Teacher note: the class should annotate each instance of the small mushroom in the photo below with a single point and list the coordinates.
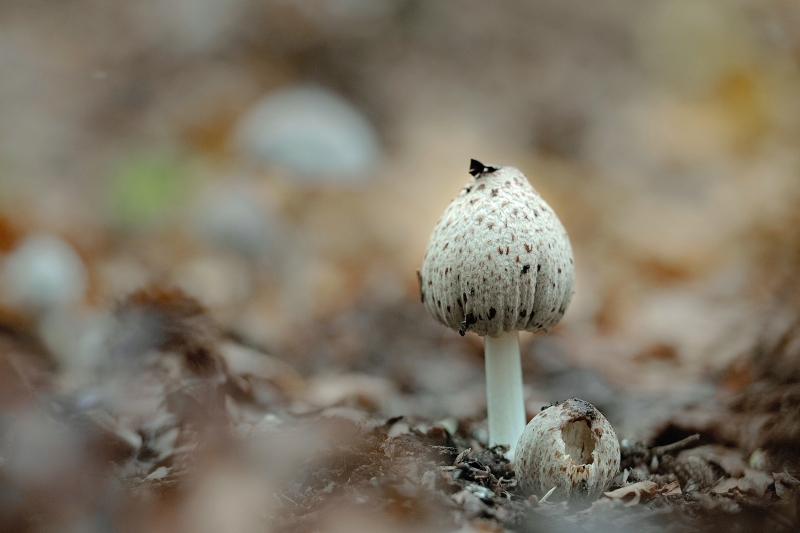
(498, 262)
(44, 272)
(313, 132)
(569, 447)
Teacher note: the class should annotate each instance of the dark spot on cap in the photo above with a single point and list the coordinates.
(523, 313)
(492, 312)
(528, 248)
(525, 269)
(494, 192)
(469, 319)
(538, 268)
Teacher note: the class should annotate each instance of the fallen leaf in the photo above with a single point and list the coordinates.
(634, 493)
(753, 482)
(731, 461)
(786, 486)
(671, 489)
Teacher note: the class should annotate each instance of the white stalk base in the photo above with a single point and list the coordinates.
(504, 398)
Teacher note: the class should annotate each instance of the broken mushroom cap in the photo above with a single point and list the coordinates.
(499, 259)
(570, 447)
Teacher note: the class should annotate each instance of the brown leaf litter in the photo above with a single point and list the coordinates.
(181, 406)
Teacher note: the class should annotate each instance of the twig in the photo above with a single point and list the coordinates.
(675, 446)
(549, 492)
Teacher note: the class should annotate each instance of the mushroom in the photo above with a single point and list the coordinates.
(498, 262)
(569, 449)
(45, 272)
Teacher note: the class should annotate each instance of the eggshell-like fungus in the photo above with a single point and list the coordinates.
(570, 446)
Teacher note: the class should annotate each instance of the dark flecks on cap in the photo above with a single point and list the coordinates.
(469, 319)
(525, 269)
(492, 312)
(476, 168)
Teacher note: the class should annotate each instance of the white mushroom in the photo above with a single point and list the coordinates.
(498, 261)
(569, 447)
(45, 272)
(313, 132)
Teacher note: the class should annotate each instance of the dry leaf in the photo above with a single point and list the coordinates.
(753, 482)
(731, 461)
(634, 493)
(785, 485)
(671, 489)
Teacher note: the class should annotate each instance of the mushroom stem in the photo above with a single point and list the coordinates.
(505, 402)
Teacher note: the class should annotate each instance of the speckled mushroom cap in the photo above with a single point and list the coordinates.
(498, 259)
(570, 446)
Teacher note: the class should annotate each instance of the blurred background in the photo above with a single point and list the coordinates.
(284, 161)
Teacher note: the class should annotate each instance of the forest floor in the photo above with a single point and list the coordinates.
(194, 429)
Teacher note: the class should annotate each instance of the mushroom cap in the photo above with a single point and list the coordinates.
(570, 446)
(45, 272)
(498, 259)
